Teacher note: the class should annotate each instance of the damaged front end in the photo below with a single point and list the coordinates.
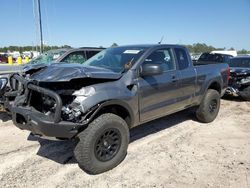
(54, 109)
(15, 86)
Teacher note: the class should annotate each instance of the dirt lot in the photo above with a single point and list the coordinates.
(175, 151)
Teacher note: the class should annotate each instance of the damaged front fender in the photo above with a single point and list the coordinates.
(94, 111)
(98, 96)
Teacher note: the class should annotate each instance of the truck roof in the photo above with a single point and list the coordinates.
(152, 45)
(91, 48)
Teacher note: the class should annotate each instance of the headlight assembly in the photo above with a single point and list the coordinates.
(82, 95)
(86, 92)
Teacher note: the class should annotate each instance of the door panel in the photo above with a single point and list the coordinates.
(158, 95)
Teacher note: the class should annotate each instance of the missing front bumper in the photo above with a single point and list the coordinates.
(29, 119)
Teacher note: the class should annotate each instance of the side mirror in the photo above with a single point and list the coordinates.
(149, 69)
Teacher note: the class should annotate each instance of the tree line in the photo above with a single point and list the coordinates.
(30, 48)
(194, 48)
(202, 47)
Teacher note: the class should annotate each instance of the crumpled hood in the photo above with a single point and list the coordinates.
(62, 72)
(37, 66)
(7, 69)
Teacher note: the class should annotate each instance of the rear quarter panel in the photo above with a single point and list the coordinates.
(207, 75)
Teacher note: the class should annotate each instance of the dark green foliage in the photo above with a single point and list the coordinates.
(195, 48)
(243, 51)
(30, 48)
(202, 47)
(114, 45)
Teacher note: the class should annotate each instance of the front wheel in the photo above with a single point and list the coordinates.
(103, 145)
(209, 107)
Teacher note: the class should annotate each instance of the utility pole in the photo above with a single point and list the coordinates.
(40, 26)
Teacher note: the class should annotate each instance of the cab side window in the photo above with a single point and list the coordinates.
(75, 57)
(182, 58)
(163, 57)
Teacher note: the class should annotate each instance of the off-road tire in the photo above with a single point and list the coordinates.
(85, 150)
(209, 107)
(245, 93)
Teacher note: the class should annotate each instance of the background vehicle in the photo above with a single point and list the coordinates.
(225, 52)
(212, 58)
(239, 83)
(75, 55)
(78, 55)
(97, 102)
(3, 58)
(195, 56)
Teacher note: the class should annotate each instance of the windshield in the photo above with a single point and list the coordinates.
(240, 62)
(47, 57)
(119, 59)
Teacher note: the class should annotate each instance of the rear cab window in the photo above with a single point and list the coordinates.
(182, 58)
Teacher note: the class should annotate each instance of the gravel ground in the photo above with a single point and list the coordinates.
(175, 151)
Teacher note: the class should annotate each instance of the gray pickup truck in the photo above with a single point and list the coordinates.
(97, 103)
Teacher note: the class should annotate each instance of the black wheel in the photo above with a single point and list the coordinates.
(103, 145)
(209, 107)
(245, 93)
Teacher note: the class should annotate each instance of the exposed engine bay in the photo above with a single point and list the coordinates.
(72, 109)
(239, 83)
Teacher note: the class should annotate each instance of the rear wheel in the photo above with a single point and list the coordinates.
(103, 145)
(209, 107)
